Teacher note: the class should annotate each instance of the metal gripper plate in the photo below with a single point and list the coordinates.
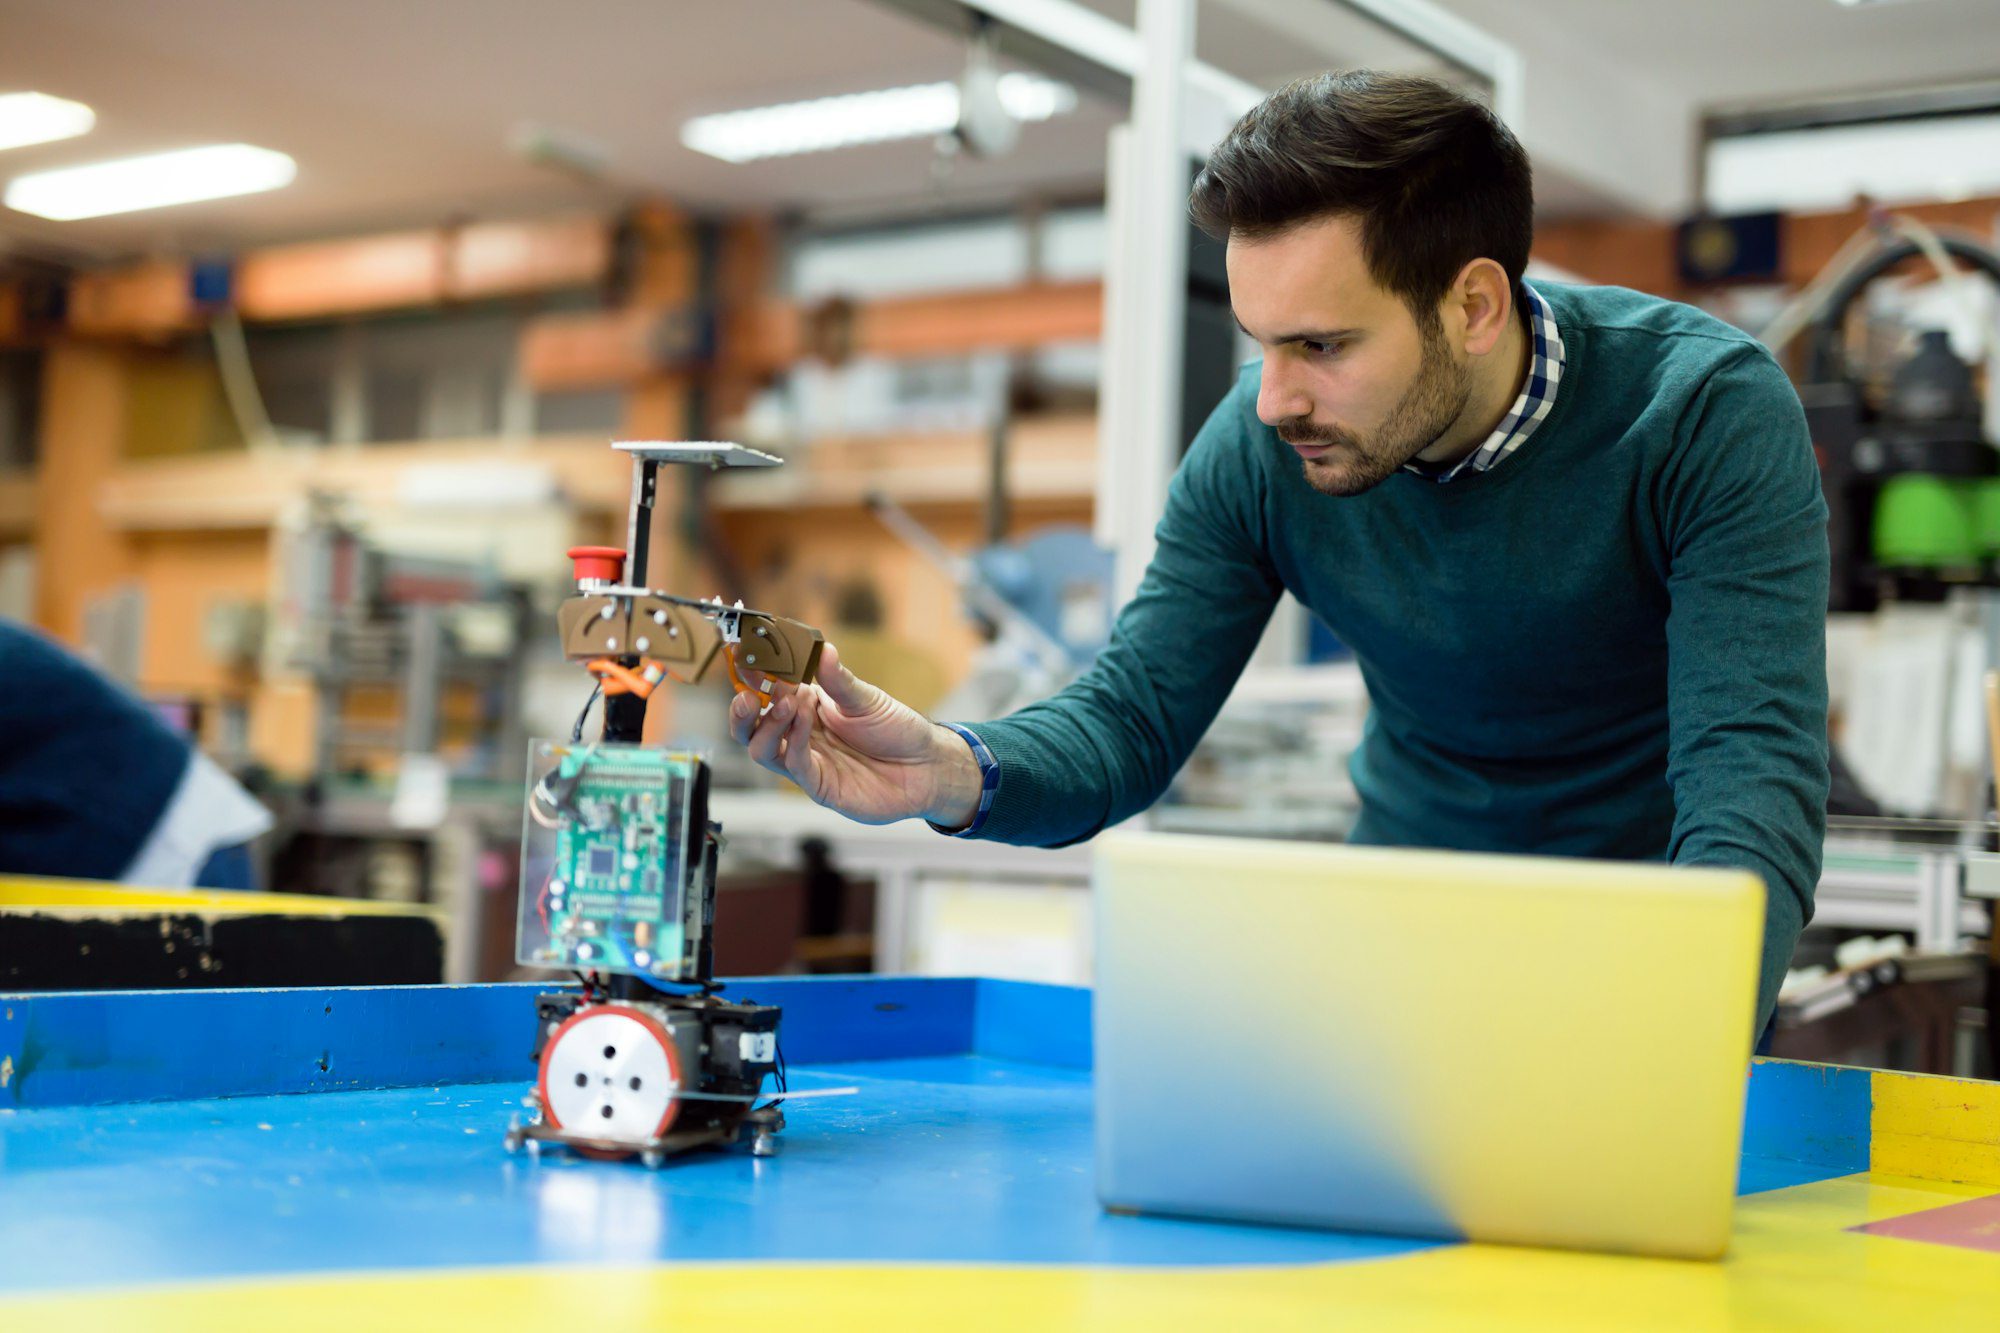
(610, 1074)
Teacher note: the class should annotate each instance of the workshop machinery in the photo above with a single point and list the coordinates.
(358, 619)
(1911, 479)
(1043, 602)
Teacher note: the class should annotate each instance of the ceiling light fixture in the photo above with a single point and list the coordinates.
(27, 118)
(157, 180)
(851, 119)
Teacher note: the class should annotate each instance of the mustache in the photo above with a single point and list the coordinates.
(1305, 432)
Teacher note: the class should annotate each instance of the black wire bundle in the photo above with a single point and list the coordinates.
(576, 733)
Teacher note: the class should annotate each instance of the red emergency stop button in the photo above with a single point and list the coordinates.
(598, 564)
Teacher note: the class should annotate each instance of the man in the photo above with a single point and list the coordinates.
(1573, 535)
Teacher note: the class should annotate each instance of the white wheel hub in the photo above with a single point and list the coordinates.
(611, 1073)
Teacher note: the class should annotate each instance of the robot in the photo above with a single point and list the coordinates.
(645, 1058)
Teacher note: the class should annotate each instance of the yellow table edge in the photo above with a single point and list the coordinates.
(75, 897)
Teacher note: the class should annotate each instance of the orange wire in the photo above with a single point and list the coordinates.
(618, 679)
(729, 659)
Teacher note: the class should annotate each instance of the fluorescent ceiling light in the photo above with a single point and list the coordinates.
(861, 118)
(27, 118)
(157, 180)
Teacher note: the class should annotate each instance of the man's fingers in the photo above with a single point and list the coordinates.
(798, 737)
(742, 717)
(770, 730)
(761, 729)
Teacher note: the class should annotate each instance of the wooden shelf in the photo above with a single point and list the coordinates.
(936, 323)
(1049, 458)
(252, 489)
(351, 275)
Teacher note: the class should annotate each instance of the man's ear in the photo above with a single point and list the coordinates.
(1483, 300)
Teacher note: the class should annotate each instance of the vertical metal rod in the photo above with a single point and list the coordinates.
(423, 677)
(1145, 296)
(639, 534)
(625, 714)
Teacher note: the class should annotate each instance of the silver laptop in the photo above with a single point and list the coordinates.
(1538, 1051)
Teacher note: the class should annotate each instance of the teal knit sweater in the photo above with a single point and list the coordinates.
(1610, 644)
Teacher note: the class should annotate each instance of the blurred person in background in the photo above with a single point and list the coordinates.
(94, 785)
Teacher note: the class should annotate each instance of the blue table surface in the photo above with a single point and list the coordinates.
(954, 1158)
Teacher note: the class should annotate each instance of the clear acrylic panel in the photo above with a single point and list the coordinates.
(606, 864)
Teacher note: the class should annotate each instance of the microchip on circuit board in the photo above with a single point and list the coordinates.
(613, 841)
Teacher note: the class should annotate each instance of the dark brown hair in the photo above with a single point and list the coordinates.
(1434, 178)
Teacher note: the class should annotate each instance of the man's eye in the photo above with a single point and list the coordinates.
(1319, 348)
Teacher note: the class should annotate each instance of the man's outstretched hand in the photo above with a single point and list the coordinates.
(854, 749)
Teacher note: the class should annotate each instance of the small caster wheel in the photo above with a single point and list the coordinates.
(535, 1148)
(764, 1144)
(652, 1159)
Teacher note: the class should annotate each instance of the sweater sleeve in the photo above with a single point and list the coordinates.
(1105, 747)
(1744, 527)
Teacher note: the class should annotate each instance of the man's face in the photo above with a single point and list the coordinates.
(1349, 379)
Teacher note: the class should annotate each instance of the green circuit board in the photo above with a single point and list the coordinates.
(613, 896)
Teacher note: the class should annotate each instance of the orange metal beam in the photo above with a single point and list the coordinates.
(148, 300)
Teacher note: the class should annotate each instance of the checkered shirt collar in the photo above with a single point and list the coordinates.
(1538, 394)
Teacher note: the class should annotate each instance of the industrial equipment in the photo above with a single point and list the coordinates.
(646, 1058)
(1912, 483)
(358, 619)
(1045, 601)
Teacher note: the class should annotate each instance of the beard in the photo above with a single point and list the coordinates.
(1355, 463)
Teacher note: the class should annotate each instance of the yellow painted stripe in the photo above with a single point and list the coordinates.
(76, 897)
(1935, 1128)
(1794, 1263)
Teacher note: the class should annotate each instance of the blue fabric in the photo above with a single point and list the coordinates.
(228, 868)
(86, 769)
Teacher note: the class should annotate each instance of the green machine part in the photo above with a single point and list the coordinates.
(1925, 522)
(1986, 516)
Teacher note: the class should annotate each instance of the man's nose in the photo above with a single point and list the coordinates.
(1279, 400)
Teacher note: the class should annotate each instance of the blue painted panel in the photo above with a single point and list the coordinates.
(830, 1020)
(97, 1047)
(962, 1159)
(1808, 1113)
(1021, 1020)
(94, 1047)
